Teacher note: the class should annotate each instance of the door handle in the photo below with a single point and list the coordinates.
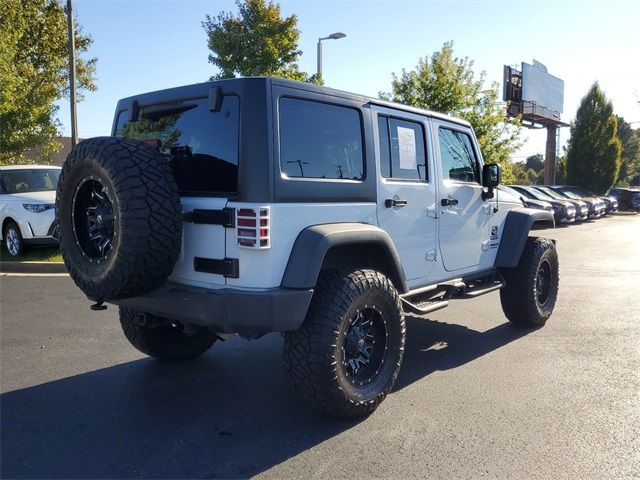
(394, 202)
(448, 202)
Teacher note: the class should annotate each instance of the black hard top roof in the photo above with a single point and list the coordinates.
(199, 90)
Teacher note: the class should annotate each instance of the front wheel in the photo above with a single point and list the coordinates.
(531, 289)
(346, 357)
(13, 240)
(165, 339)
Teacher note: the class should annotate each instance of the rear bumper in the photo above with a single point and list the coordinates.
(226, 310)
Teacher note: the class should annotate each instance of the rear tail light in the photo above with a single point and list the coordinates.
(253, 227)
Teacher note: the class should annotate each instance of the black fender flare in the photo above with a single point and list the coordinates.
(313, 243)
(517, 225)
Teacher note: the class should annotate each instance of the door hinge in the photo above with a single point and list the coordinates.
(432, 211)
(432, 255)
(224, 217)
(227, 267)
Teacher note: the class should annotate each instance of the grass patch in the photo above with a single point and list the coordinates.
(40, 254)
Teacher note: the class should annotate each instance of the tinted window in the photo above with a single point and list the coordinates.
(457, 156)
(405, 157)
(30, 180)
(202, 145)
(318, 140)
(122, 119)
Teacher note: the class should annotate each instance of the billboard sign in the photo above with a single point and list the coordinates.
(541, 88)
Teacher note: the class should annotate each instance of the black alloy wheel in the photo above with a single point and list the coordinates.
(93, 219)
(543, 283)
(365, 346)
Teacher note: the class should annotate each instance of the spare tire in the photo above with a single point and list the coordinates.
(119, 212)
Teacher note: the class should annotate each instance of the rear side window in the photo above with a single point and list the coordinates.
(402, 149)
(319, 140)
(457, 156)
(202, 145)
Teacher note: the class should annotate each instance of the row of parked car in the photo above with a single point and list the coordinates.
(27, 204)
(570, 203)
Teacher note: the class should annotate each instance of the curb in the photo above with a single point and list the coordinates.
(32, 267)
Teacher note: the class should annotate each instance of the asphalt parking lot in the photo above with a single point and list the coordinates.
(475, 398)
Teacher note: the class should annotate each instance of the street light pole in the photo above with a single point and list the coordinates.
(72, 74)
(333, 36)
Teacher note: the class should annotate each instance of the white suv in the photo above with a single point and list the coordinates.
(262, 205)
(27, 206)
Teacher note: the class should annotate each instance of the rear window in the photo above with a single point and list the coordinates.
(320, 140)
(202, 146)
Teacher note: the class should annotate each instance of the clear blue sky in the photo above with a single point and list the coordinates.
(145, 45)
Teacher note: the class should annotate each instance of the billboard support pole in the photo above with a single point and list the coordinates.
(550, 156)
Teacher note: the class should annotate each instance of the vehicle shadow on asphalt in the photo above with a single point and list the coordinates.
(228, 414)
(432, 346)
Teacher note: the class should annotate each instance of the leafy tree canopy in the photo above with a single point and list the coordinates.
(256, 42)
(34, 74)
(448, 84)
(630, 156)
(535, 162)
(594, 148)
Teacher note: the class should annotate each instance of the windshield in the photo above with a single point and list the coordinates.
(571, 195)
(531, 193)
(510, 190)
(552, 194)
(30, 180)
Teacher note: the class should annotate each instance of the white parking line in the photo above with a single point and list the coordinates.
(3, 274)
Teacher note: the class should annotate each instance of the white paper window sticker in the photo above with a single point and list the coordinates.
(407, 148)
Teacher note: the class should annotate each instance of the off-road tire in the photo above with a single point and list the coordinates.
(163, 339)
(519, 297)
(22, 247)
(147, 221)
(313, 354)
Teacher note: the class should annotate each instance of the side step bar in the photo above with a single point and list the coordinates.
(436, 297)
(481, 289)
(422, 308)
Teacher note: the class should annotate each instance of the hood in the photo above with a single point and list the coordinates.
(543, 204)
(47, 196)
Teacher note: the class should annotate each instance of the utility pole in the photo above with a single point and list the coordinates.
(72, 74)
(550, 156)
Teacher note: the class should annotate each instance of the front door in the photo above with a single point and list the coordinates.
(406, 193)
(464, 215)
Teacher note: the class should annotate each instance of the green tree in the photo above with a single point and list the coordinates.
(535, 162)
(561, 170)
(521, 175)
(257, 42)
(448, 84)
(630, 156)
(594, 148)
(34, 74)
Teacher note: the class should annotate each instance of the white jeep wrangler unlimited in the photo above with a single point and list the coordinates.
(261, 205)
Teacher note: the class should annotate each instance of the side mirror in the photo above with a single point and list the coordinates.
(491, 176)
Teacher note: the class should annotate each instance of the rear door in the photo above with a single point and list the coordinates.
(406, 193)
(202, 148)
(464, 217)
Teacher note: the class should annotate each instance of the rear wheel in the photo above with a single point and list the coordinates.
(346, 357)
(13, 240)
(531, 289)
(165, 339)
